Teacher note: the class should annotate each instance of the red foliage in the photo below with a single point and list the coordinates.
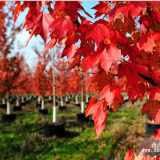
(125, 50)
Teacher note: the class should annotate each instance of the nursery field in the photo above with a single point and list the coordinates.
(24, 139)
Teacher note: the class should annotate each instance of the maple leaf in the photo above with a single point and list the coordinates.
(41, 24)
(97, 32)
(155, 93)
(71, 39)
(157, 117)
(131, 51)
(134, 8)
(121, 83)
(101, 8)
(109, 92)
(155, 15)
(146, 20)
(147, 41)
(92, 102)
(115, 103)
(153, 59)
(102, 79)
(155, 26)
(69, 51)
(113, 14)
(143, 59)
(50, 44)
(104, 55)
(82, 51)
(61, 26)
(135, 93)
(116, 37)
(131, 71)
(152, 108)
(67, 5)
(118, 24)
(155, 75)
(135, 37)
(128, 26)
(99, 114)
(76, 62)
(129, 155)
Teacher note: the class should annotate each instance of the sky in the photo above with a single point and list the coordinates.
(30, 56)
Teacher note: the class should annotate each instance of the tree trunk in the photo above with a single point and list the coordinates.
(61, 101)
(8, 105)
(82, 101)
(54, 89)
(39, 100)
(76, 97)
(86, 88)
(42, 105)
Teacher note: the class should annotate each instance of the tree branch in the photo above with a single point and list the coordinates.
(148, 79)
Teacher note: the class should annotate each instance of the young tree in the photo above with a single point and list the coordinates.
(128, 33)
(10, 68)
(40, 75)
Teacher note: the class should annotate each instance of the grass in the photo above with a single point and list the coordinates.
(24, 139)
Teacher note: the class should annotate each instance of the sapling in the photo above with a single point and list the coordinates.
(61, 101)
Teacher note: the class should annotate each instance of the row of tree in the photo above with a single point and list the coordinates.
(18, 79)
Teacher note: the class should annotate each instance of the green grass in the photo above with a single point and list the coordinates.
(25, 139)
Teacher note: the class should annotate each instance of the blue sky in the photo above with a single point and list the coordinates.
(23, 37)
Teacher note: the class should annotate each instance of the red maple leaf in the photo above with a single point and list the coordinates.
(155, 15)
(99, 115)
(134, 8)
(102, 8)
(109, 92)
(102, 79)
(69, 51)
(104, 55)
(97, 32)
(130, 155)
(61, 26)
(50, 44)
(157, 117)
(146, 20)
(152, 108)
(41, 24)
(67, 6)
(115, 103)
(117, 37)
(155, 93)
(147, 41)
(155, 75)
(131, 71)
(92, 101)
